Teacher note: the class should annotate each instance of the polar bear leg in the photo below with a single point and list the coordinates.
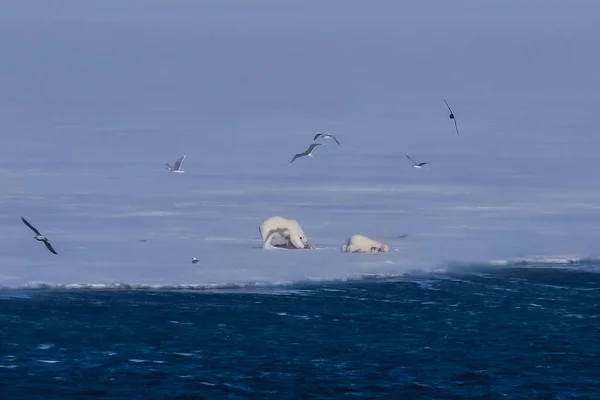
(267, 240)
(269, 230)
(267, 235)
(272, 234)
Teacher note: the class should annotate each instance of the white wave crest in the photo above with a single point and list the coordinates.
(283, 286)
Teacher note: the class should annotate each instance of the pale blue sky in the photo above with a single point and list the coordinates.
(291, 56)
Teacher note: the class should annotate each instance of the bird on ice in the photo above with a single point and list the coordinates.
(415, 164)
(38, 236)
(177, 166)
(451, 116)
(306, 153)
(326, 136)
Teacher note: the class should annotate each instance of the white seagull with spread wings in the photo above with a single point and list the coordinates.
(451, 116)
(38, 236)
(415, 164)
(177, 166)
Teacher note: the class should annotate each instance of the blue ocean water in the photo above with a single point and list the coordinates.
(472, 332)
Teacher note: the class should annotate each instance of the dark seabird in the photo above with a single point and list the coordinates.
(415, 164)
(177, 166)
(306, 153)
(38, 236)
(326, 136)
(451, 116)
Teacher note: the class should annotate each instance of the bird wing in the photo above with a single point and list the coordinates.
(30, 226)
(334, 138)
(448, 106)
(49, 246)
(304, 153)
(177, 165)
(413, 161)
(423, 163)
(317, 136)
(456, 125)
(310, 148)
(169, 167)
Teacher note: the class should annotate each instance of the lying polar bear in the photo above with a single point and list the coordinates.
(289, 229)
(362, 244)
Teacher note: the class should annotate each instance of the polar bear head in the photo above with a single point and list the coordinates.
(294, 244)
(303, 238)
(383, 249)
(295, 237)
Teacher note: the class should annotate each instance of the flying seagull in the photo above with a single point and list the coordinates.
(177, 166)
(451, 116)
(326, 136)
(306, 153)
(415, 164)
(38, 236)
(195, 260)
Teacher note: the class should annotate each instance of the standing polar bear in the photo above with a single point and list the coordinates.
(363, 244)
(289, 229)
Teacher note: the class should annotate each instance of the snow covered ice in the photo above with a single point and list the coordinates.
(95, 97)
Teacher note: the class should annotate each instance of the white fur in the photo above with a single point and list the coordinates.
(278, 227)
(363, 244)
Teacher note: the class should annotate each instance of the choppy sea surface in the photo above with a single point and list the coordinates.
(486, 332)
